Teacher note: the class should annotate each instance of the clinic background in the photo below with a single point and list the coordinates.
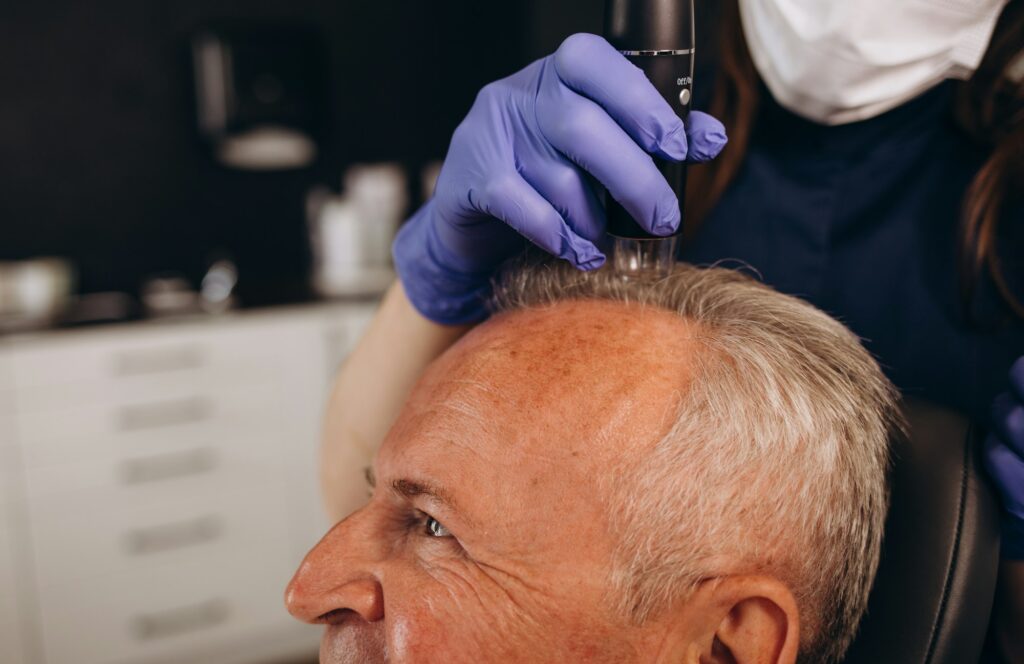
(196, 207)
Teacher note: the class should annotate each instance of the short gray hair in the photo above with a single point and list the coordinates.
(782, 440)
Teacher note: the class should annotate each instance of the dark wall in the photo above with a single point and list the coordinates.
(552, 21)
(99, 155)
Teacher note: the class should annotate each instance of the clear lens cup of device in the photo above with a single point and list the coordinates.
(644, 259)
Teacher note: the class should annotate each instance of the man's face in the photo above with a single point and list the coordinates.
(486, 539)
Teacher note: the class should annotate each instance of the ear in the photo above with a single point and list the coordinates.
(754, 620)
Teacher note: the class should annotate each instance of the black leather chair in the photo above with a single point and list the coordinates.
(933, 594)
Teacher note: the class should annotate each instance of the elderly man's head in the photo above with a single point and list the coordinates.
(691, 470)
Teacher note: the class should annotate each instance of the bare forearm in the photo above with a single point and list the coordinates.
(370, 389)
(1009, 609)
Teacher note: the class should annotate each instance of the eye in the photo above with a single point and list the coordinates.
(434, 528)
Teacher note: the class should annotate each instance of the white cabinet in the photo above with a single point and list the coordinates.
(13, 619)
(12, 637)
(167, 477)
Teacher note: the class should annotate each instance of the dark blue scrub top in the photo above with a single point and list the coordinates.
(862, 220)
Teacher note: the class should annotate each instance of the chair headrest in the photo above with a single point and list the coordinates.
(932, 597)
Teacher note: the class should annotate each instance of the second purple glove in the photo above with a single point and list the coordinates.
(1004, 460)
(520, 166)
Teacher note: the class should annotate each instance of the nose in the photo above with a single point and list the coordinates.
(337, 580)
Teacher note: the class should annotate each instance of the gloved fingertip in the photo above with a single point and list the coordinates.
(666, 228)
(587, 254)
(705, 146)
(674, 145)
(579, 252)
(592, 264)
(667, 217)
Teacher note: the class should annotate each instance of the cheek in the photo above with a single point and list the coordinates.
(454, 613)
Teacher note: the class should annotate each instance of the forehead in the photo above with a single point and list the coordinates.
(558, 393)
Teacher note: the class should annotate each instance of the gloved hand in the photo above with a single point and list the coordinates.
(1004, 460)
(520, 165)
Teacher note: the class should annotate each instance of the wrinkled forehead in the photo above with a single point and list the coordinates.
(587, 380)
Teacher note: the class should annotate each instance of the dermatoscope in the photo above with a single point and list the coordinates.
(658, 37)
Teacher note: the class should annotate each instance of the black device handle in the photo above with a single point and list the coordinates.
(658, 37)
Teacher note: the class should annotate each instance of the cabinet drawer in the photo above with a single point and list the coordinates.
(96, 357)
(146, 478)
(182, 466)
(160, 612)
(99, 394)
(210, 346)
(79, 543)
(141, 426)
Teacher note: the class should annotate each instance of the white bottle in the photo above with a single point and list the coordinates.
(352, 234)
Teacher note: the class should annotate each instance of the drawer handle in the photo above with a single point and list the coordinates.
(169, 466)
(170, 536)
(181, 620)
(164, 414)
(135, 363)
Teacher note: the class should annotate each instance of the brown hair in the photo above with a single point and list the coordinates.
(989, 107)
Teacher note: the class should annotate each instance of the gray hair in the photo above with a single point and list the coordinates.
(776, 460)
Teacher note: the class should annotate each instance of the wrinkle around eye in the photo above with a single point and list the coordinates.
(462, 581)
(496, 574)
(480, 582)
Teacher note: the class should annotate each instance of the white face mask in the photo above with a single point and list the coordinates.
(839, 61)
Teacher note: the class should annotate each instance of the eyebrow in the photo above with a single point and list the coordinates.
(413, 488)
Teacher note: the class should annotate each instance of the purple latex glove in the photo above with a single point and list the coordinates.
(520, 165)
(1004, 460)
